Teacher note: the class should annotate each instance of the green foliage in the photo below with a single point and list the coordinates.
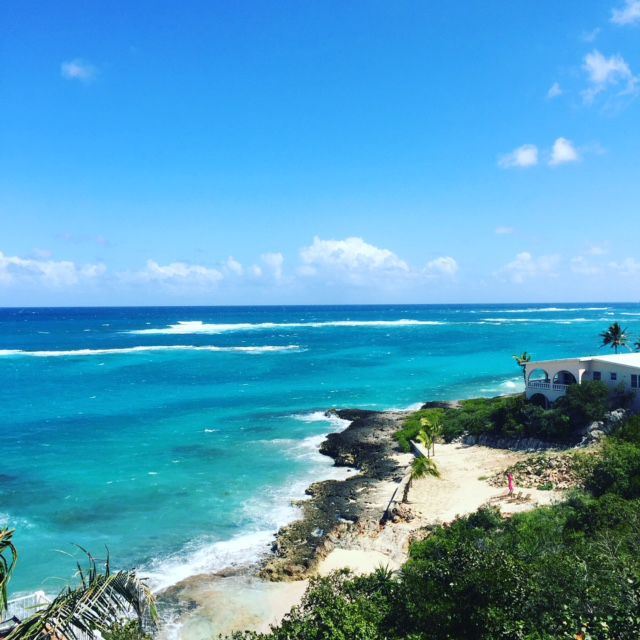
(570, 570)
(615, 336)
(126, 630)
(616, 471)
(412, 426)
(8, 558)
(584, 403)
(629, 431)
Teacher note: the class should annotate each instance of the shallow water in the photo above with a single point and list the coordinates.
(177, 437)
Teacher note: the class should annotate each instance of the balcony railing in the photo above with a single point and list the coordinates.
(542, 384)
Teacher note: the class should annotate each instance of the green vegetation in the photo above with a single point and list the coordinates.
(570, 570)
(420, 468)
(615, 336)
(515, 416)
(522, 361)
(101, 600)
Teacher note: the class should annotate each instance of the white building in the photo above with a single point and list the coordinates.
(547, 380)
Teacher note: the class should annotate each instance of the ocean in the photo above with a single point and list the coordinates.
(177, 437)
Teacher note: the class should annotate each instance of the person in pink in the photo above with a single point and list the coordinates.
(510, 482)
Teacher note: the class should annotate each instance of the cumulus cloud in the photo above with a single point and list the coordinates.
(630, 14)
(445, 265)
(505, 231)
(605, 72)
(525, 267)
(554, 91)
(175, 274)
(274, 262)
(233, 266)
(14, 270)
(78, 70)
(563, 151)
(522, 157)
(352, 254)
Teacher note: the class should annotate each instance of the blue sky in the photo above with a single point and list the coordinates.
(282, 152)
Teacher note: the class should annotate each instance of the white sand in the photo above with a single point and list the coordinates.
(458, 492)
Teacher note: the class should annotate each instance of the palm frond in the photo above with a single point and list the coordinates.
(100, 600)
(6, 563)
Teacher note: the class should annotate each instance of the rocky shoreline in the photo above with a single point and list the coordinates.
(339, 509)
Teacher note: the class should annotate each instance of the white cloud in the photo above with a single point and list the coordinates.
(445, 265)
(274, 262)
(603, 72)
(554, 91)
(628, 267)
(580, 265)
(233, 266)
(505, 231)
(525, 266)
(78, 70)
(524, 156)
(563, 151)
(352, 254)
(598, 251)
(630, 14)
(176, 273)
(14, 270)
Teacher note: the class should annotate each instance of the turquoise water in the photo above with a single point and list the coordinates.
(177, 437)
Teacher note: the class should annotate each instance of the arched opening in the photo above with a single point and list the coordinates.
(539, 378)
(564, 377)
(540, 400)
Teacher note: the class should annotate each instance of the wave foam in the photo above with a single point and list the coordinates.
(177, 347)
(545, 310)
(197, 326)
(335, 421)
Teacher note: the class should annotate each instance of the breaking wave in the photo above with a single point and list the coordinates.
(106, 352)
(197, 326)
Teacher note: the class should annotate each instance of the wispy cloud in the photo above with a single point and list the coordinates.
(525, 267)
(554, 91)
(591, 36)
(603, 73)
(522, 157)
(78, 70)
(505, 231)
(580, 265)
(630, 14)
(563, 151)
(628, 267)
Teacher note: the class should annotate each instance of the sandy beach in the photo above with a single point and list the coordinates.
(351, 514)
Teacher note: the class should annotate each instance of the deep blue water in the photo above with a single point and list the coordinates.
(176, 436)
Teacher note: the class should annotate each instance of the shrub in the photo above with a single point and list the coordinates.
(584, 403)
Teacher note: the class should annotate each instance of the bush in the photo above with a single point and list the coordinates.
(584, 403)
(616, 471)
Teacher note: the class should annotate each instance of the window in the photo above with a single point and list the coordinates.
(597, 375)
(614, 376)
(634, 381)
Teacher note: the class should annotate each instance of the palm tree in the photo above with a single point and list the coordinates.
(101, 600)
(420, 468)
(522, 360)
(615, 336)
(6, 564)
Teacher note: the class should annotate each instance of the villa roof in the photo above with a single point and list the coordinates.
(624, 359)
